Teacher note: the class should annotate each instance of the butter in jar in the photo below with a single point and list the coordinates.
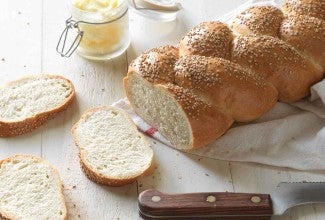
(104, 25)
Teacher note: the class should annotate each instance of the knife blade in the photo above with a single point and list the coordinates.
(224, 205)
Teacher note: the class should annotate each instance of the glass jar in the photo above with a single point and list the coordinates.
(104, 33)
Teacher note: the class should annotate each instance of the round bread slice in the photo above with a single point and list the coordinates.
(111, 149)
(29, 102)
(30, 188)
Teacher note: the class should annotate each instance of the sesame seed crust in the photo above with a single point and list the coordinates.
(265, 20)
(312, 8)
(207, 39)
(235, 91)
(307, 34)
(157, 64)
(278, 63)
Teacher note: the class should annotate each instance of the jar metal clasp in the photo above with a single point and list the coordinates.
(61, 46)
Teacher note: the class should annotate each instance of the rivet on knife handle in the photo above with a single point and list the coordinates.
(156, 205)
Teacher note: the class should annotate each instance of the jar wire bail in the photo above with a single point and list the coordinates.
(60, 47)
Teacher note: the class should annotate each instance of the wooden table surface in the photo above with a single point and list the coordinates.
(29, 31)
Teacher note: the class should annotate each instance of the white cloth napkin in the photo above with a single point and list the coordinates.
(286, 136)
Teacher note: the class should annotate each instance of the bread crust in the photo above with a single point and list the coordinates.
(87, 168)
(157, 65)
(207, 39)
(265, 20)
(311, 8)
(307, 34)
(233, 90)
(279, 63)
(302, 31)
(14, 128)
(6, 216)
(101, 179)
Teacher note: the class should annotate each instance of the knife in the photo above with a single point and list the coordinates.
(229, 206)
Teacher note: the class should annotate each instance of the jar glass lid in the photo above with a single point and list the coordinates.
(162, 10)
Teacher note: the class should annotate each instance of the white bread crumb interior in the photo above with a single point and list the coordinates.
(31, 95)
(30, 189)
(110, 144)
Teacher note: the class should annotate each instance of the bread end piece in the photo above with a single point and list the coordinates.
(182, 117)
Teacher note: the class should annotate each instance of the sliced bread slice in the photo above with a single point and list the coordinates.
(29, 102)
(30, 188)
(111, 149)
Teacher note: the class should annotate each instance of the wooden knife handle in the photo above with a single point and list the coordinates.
(156, 205)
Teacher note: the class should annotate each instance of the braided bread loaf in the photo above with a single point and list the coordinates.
(220, 75)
